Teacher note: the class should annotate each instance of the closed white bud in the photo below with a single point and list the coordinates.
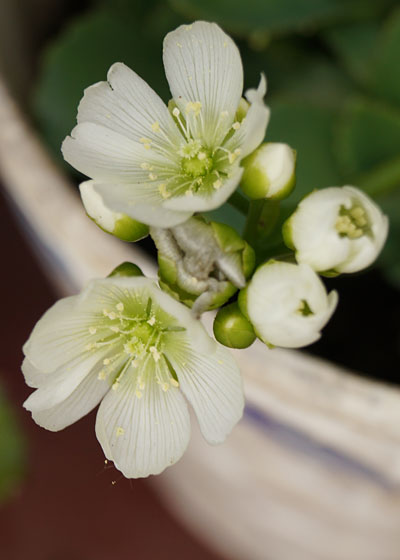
(338, 229)
(287, 304)
(118, 224)
(269, 172)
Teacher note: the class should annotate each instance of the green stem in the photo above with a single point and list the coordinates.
(261, 220)
(253, 216)
(239, 202)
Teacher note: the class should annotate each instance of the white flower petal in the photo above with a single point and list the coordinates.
(106, 155)
(59, 336)
(84, 397)
(203, 65)
(34, 377)
(252, 130)
(129, 106)
(143, 436)
(63, 382)
(202, 203)
(140, 202)
(213, 385)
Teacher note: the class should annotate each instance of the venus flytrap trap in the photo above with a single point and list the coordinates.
(136, 346)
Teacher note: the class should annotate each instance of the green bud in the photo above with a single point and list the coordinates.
(269, 172)
(126, 269)
(116, 223)
(232, 329)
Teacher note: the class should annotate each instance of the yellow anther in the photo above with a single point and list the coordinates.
(220, 362)
(176, 112)
(90, 346)
(152, 176)
(145, 140)
(115, 385)
(120, 306)
(102, 375)
(236, 125)
(142, 385)
(201, 156)
(105, 312)
(145, 166)
(106, 362)
(119, 431)
(224, 114)
(217, 184)
(174, 382)
(151, 321)
(135, 364)
(155, 127)
(165, 387)
(112, 315)
(155, 353)
(162, 189)
(193, 107)
(139, 394)
(92, 330)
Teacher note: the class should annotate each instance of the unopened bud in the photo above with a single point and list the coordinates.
(126, 269)
(232, 329)
(116, 223)
(269, 171)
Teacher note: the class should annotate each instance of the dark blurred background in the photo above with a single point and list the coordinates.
(334, 91)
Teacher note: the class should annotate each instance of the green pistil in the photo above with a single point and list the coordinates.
(305, 309)
(196, 167)
(352, 223)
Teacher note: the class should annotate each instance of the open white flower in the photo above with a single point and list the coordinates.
(159, 165)
(338, 229)
(287, 304)
(126, 343)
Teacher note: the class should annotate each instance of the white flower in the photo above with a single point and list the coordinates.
(126, 343)
(269, 172)
(160, 165)
(338, 229)
(287, 304)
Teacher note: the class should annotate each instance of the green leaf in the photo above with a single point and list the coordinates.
(84, 53)
(308, 129)
(367, 135)
(385, 71)
(255, 16)
(355, 46)
(12, 450)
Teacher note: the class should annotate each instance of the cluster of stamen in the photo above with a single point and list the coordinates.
(133, 341)
(201, 167)
(352, 223)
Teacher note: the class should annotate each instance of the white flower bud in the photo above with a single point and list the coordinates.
(269, 172)
(122, 226)
(338, 229)
(287, 304)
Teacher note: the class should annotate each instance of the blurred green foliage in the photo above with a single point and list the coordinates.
(332, 68)
(12, 450)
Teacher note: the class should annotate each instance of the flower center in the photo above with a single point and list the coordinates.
(198, 164)
(353, 222)
(134, 332)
